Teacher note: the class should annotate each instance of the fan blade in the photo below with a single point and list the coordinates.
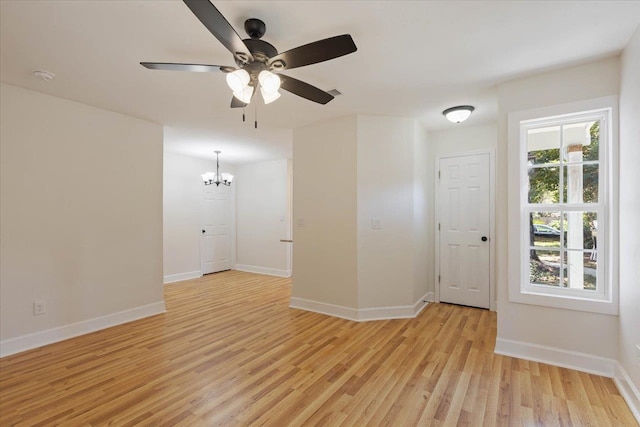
(236, 103)
(171, 66)
(304, 90)
(312, 53)
(217, 24)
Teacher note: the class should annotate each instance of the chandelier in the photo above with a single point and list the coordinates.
(217, 178)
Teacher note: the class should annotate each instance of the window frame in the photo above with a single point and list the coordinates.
(605, 298)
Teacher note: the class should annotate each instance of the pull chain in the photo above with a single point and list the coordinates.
(255, 124)
(243, 109)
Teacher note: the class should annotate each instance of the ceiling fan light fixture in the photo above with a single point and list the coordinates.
(238, 80)
(245, 94)
(269, 97)
(268, 81)
(458, 114)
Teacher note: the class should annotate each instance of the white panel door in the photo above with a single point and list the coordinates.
(464, 230)
(215, 248)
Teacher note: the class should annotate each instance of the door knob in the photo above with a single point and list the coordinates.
(484, 238)
(203, 231)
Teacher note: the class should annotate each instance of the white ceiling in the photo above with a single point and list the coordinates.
(414, 59)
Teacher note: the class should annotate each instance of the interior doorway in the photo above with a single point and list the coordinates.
(464, 229)
(215, 241)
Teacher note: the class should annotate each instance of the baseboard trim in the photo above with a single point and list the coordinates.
(171, 278)
(61, 333)
(263, 270)
(363, 314)
(628, 390)
(324, 308)
(557, 357)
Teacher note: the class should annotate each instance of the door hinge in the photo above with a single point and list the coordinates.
(438, 279)
(438, 174)
(438, 226)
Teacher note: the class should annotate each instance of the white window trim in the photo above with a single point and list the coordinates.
(520, 291)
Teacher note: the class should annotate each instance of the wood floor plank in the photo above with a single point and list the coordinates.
(229, 351)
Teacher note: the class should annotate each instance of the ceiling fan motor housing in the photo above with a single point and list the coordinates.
(255, 28)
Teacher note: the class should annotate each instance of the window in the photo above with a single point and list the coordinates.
(564, 200)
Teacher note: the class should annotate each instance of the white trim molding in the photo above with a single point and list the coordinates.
(171, 278)
(324, 308)
(61, 333)
(363, 314)
(520, 290)
(556, 357)
(628, 390)
(263, 270)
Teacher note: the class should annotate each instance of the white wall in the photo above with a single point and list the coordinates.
(385, 191)
(262, 206)
(347, 172)
(325, 198)
(182, 207)
(629, 321)
(458, 140)
(463, 139)
(81, 217)
(423, 227)
(566, 330)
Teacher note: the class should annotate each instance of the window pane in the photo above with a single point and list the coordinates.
(580, 230)
(580, 183)
(543, 145)
(580, 141)
(544, 268)
(543, 185)
(581, 271)
(544, 229)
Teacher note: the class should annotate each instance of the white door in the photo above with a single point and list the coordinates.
(215, 247)
(464, 216)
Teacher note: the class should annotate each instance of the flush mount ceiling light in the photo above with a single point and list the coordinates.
(217, 178)
(458, 114)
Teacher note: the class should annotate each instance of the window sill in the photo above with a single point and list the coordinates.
(565, 302)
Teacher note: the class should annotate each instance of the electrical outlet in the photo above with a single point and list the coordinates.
(39, 307)
(376, 223)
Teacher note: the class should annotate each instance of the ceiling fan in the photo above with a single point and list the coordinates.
(258, 63)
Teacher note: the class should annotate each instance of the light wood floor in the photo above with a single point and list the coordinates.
(229, 351)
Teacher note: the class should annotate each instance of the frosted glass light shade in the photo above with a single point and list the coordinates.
(238, 80)
(458, 114)
(226, 177)
(269, 81)
(209, 177)
(244, 94)
(269, 97)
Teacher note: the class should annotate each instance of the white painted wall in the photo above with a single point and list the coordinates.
(458, 140)
(182, 207)
(629, 321)
(262, 206)
(423, 260)
(382, 172)
(325, 198)
(385, 191)
(463, 139)
(80, 218)
(567, 330)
